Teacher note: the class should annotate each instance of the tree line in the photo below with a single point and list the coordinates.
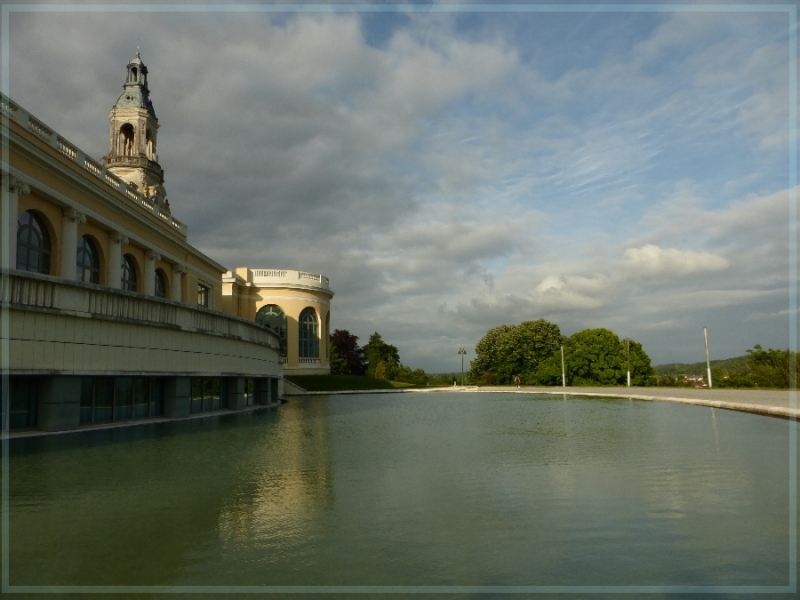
(532, 350)
(762, 369)
(375, 359)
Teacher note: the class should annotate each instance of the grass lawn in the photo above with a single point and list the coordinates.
(340, 383)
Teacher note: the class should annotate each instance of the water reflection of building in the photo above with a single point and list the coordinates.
(113, 314)
(292, 481)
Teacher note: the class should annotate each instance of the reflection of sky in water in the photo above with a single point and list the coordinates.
(444, 489)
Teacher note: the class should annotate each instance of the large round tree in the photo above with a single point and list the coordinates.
(509, 350)
(597, 357)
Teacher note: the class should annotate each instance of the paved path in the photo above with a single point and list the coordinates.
(766, 402)
(776, 403)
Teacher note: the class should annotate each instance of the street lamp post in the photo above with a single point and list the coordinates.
(462, 351)
(628, 350)
(708, 358)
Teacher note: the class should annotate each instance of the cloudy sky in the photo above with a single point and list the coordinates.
(455, 171)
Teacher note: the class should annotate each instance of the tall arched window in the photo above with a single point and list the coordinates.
(33, 244)
(272, 316)
(309, 334)
(129, 274)
(88, 261)
(161, 284)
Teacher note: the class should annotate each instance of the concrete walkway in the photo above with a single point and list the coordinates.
(775, 403)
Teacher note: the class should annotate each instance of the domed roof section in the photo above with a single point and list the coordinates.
(136, 94)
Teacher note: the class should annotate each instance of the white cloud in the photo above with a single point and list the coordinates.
(451, 167)
(650, 261)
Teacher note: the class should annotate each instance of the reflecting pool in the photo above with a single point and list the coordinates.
(410, 489)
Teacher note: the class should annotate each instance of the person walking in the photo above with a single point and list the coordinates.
(517, 380)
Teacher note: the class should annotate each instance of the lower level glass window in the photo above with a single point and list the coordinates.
(106, 399)
(23, 400)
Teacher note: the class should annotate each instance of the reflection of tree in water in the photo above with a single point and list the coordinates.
(284, 482)
(568, 430)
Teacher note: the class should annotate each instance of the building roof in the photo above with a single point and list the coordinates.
(135, 93)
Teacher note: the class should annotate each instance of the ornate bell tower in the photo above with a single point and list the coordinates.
(132, 156)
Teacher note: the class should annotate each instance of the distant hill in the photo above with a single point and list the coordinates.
(698, 368)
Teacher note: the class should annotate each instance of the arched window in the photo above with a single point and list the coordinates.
(126, 135)
(272, 316)
(88, 261)
(161, 284)
(129, 274)
(33, 244)
(309, 334)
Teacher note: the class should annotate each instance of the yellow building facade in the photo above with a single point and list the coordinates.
(296, 304)
(112, 314)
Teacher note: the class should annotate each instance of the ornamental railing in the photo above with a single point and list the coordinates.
(277, 277)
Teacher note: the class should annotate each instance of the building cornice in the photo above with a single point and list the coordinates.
(117, 190)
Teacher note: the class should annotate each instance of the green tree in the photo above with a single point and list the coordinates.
(508, 350)
(338, 363)
(641, 368)
(376, 350)
(763, 368)
(380, 370)
(346, 345)
(407, 375)
(597, 357)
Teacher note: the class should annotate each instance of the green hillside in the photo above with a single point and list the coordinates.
(698, 368)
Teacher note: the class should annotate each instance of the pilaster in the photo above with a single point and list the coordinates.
(69, 244)
(177, 283)
(150, 258)
(115, 259)
(15, 188)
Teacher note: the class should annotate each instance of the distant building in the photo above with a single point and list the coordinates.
(113, 314)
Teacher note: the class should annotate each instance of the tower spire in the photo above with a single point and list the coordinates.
(132, 154)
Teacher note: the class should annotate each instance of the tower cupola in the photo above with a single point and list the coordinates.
(136, 93)
(132, 154)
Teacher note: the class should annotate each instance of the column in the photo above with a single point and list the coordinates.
(273, 389)
(15, 188)
(262, 390)
(234, 390)
(150, 259)
(115, 259)
(177, 397)
(177, 271)
(69, 242)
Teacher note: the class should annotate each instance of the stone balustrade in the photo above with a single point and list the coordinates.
(278, 278)
(29, 291)
(20, 116)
